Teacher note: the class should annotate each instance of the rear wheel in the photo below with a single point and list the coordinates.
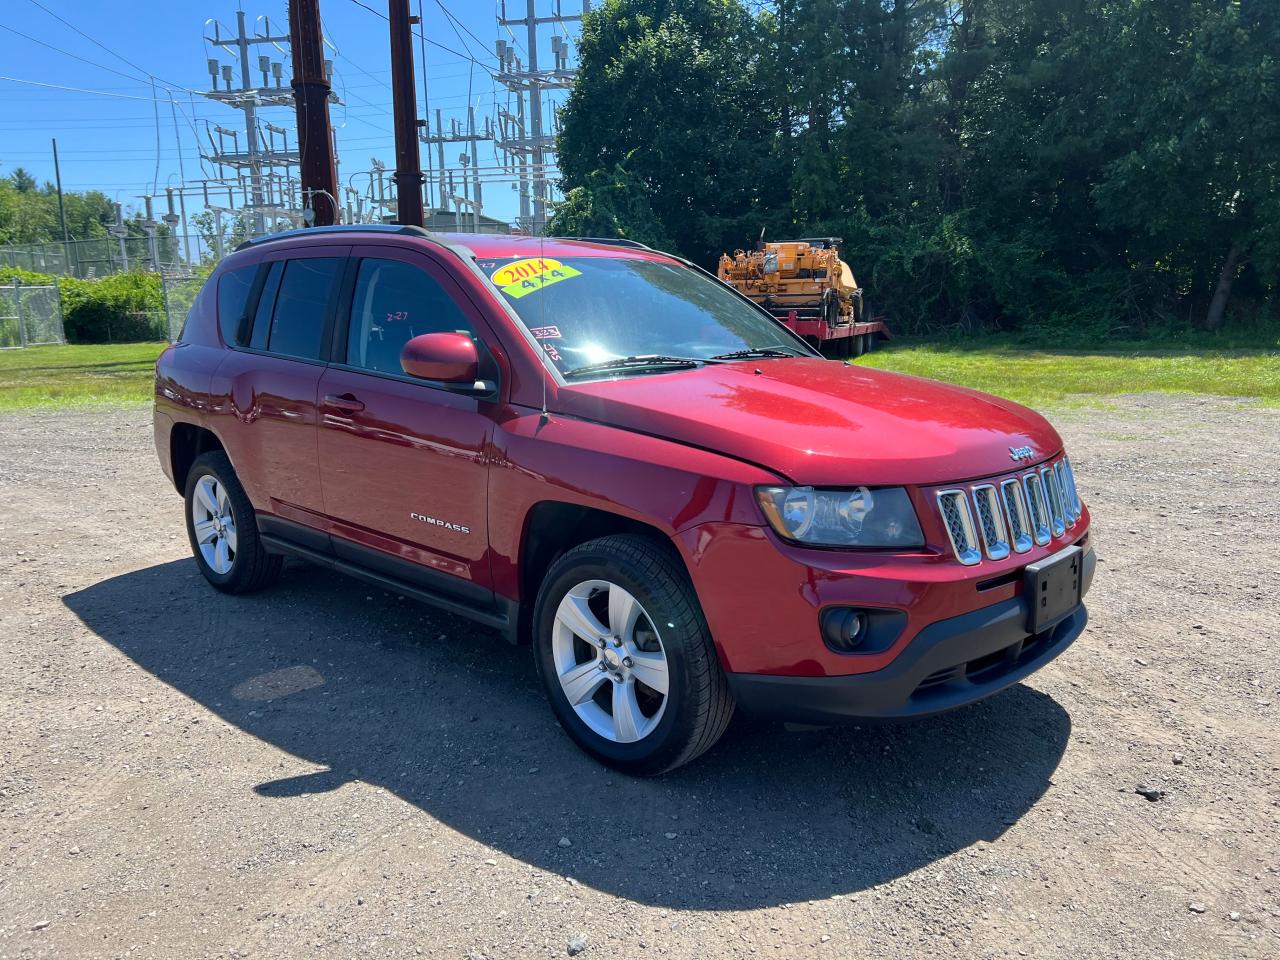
(626, 658)
(223, 530)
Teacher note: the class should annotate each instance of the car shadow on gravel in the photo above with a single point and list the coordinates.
(451, 719)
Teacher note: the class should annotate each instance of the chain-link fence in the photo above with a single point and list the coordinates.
(30, 315)
(179, 294)
(88, 259)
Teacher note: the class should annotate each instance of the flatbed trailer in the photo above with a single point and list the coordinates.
(840, 340)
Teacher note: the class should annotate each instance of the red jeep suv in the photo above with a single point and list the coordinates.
(600, 449)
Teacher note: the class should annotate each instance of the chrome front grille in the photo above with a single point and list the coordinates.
(996, 518)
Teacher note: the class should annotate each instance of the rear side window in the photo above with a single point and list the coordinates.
(234, 288)
(302, 306)
(395, 302)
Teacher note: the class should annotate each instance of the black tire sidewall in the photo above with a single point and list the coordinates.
(675, 729)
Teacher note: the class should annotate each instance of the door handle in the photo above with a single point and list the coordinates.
(344, 402)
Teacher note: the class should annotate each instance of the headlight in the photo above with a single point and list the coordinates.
(842, 518)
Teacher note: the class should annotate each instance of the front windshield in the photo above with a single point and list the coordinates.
(585, 311)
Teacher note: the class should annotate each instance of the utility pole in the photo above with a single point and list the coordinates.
(311, 89)
(62, 216)
(404, 106)
(535, 123)
(62, 209)
(250, 127)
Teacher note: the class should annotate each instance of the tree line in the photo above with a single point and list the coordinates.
(1074, 169)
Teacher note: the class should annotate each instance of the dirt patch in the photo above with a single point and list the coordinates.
(326, 770)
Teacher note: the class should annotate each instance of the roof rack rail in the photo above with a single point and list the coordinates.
(612, 241)
(338, 228)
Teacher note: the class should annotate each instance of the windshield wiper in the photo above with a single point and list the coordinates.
(644, 360)
(756, 352)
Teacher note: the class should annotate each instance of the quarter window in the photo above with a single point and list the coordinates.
(302, 306)
(395, 302)
(234, 288)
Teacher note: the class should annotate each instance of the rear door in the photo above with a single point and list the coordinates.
(404, 465)
(271, 377)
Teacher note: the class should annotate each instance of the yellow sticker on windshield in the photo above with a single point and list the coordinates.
(523, 277)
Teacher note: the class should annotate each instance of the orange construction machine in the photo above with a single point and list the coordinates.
(806, 285)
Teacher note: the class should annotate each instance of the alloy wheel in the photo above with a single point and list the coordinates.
(214, 524)
(610, 661)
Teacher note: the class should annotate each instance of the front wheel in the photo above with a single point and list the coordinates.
(626, 658)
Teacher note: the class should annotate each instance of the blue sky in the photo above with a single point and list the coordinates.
(107, 138)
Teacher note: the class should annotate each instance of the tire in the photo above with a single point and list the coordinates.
(227, 549)
(856, 343)
(666, 624)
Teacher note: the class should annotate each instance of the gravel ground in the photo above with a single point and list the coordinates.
(322, 770)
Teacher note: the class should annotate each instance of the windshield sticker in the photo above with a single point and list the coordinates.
(552, 352)
(523, 277)
(546, 333)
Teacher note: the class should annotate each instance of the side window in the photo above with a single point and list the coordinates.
(234, 288)
(302, 305)
(393, 303)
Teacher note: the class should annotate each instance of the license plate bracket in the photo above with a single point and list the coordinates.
(1052, 588)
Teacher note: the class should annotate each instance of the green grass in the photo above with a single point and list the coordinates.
(97, 374)
(76, 376)
(1059, 377)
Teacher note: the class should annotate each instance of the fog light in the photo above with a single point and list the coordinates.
(843, 628)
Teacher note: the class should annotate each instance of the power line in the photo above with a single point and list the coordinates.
(98, 93)
(67, 53)
(423, 38)
(455, 23)
(103, 46)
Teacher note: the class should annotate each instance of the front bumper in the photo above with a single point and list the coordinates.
(949, 664)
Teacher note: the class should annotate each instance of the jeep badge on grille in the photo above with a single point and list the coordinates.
(1021, 453)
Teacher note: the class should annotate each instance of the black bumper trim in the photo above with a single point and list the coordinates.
(948, 664)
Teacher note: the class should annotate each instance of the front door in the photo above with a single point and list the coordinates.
(404, 465)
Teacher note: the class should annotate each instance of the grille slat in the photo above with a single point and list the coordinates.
(958, 518)
(1054, 497)
(1069, 511)
(991, 521)
(1069, 475)
(1015, 505)
(1038, 508)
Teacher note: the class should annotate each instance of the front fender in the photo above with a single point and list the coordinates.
(666, 485)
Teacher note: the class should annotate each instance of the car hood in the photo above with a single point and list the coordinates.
(822, 422)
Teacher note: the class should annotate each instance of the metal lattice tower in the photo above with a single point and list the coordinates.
(523, 137)
(263, 170)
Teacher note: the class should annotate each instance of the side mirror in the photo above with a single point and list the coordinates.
(444, 357)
